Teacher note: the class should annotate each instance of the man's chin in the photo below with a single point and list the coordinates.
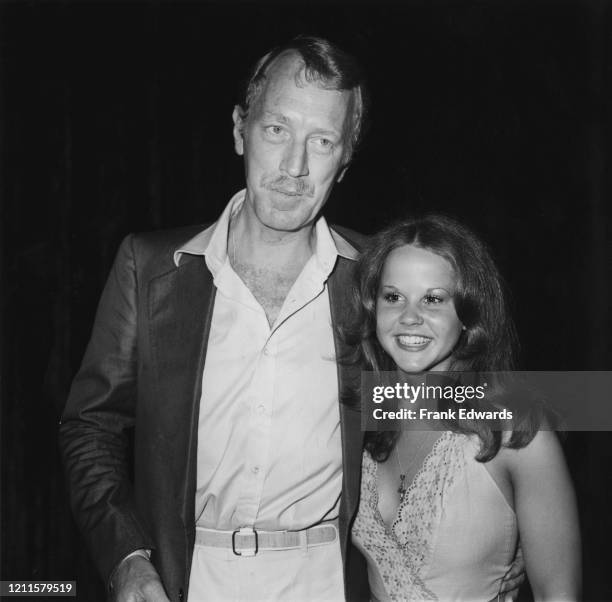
(286, 220)
(287, 225)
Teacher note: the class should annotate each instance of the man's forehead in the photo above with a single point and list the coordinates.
(288, 80)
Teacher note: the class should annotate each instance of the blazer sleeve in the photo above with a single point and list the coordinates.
(94, 430)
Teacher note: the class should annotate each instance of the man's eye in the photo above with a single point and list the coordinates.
(274, 130)
(323, 144)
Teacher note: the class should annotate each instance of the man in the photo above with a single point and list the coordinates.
(219, 347)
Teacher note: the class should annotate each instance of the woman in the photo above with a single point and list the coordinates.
(441, 511)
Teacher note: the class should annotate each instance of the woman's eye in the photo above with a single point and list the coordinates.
(391, 297)
(432, 299)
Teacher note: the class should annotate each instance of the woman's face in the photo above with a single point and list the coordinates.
(416, 321)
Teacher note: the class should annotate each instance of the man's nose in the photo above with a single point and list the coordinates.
(411, 315)
(295, 159)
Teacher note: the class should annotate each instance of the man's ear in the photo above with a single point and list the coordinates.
(239, 117)
(342, 172)
(346, 159)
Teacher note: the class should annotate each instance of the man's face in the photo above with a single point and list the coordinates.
(294, 146)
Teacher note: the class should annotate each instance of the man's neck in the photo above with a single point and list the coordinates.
(251, 242)
(268, 261)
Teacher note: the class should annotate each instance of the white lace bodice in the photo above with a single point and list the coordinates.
(454, 535)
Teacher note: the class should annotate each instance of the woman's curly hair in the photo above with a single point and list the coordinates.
(488, 343)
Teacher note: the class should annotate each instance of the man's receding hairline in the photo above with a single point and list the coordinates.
(302, 74)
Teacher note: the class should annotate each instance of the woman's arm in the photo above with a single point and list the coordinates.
(545, 506)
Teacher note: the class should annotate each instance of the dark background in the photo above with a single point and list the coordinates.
(116, 117)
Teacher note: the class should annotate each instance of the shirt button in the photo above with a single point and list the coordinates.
(255, 469)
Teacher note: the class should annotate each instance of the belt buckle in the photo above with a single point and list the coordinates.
(245, 531)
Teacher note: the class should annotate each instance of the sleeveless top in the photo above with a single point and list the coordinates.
(454, 536)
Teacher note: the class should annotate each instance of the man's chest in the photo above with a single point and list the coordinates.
(270, 288)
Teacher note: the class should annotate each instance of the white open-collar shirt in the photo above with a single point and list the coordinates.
(269, 445)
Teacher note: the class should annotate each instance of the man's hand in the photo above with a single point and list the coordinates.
(513, 579)
(136, 580)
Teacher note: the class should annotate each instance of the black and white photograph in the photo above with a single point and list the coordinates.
(225, 224)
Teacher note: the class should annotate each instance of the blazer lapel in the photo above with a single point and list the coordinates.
(340, 284)
(181, 304)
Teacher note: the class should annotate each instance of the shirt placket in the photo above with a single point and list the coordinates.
(258, 440)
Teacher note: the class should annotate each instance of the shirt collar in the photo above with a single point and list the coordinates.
(212, 242)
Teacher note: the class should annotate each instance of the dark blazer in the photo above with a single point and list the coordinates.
(143, 369)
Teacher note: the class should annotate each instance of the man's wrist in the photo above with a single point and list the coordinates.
(142, 552)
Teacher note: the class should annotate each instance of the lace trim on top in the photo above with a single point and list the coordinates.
(403, 552)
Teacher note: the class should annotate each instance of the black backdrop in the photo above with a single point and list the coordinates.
(117, 117)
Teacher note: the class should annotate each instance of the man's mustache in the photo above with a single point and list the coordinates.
(287, 185)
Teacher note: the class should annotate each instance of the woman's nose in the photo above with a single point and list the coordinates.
(411, 316)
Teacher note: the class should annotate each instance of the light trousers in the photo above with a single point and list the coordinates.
(305, 574)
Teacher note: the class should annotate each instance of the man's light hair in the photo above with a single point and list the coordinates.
(324, 64)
